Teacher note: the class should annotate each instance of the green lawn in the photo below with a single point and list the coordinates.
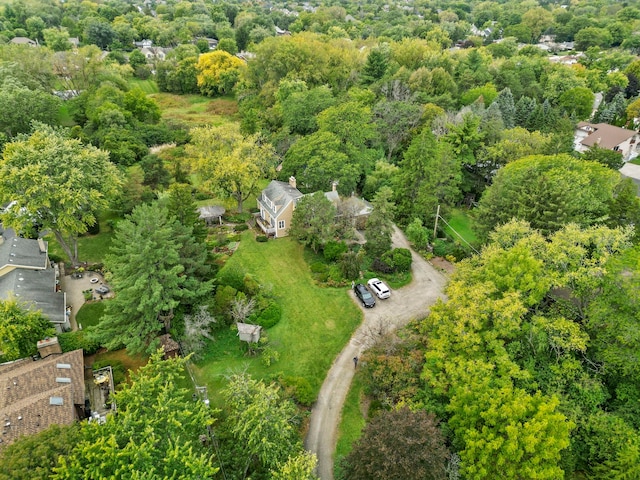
(91, 248)
(64, 117)
(315, 326)
(147, 86)
(351, 423)
(197, 110)
(463, 224)
(90, 314)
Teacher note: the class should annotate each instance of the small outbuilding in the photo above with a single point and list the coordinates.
(249, 333)
(170, 347)
(212, 214)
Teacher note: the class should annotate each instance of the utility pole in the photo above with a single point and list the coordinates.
(435, 227)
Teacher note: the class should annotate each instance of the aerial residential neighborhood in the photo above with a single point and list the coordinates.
(319, 240)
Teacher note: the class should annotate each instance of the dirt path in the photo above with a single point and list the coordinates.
(406, 304)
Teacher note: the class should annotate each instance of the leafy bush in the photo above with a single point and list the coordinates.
(270, 316)
(94, 229)
(418, 234)
(441, 247)
(300, 389)
(232, 276)
(401, 259)
(251, 285)
(70, 341)
(241, 228)
(234, 237)
(237, 217)
(335, 274)
(222, 303)
(350, 264)
(201, 196)
(269, 356)
(53, 258)
(261, 238)
(318, 267)
(379, 265)
(254, 210)
(333, 250)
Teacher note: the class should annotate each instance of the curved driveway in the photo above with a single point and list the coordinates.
(408, 303)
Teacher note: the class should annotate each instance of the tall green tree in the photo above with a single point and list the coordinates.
(380, 223)
(429, 174)
(20, 330)
(148, 274)
(19, 106)
(313, 221)
(548, 192)
(157, 432)
(263, 421)
(56, 182)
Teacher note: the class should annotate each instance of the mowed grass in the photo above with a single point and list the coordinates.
(463, 224)
(90, 313)
(147, 86)
(316, 322)
(352, 422)
(197, 110)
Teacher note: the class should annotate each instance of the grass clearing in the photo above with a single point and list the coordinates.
(352, 422)
(462, 222)
(197, 110)
(147, 86)
(90, 313)
(130, 362)
(316, 322)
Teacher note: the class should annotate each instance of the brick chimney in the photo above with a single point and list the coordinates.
(49, 346)
(41, 244)
(334, 185)
(292, 181)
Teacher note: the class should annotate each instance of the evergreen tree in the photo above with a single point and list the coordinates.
(376, 66)
(507, 107)
(525, 109)
(380, 223)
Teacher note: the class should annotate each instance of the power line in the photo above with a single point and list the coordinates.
(438, 216)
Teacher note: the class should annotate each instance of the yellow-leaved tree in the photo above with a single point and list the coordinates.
(218, 72)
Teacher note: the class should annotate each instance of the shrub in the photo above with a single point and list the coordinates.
(237, 217)
(119, 371)
(418, 234)
(380, 265)
(222, 303)
(53, 258)
(270, 316)
(254, 210)
(241, 228)
(300, 389)
(318, 267)
(70, 341)
(251, 285)
(269, 356)
(442, 248)
(234, 237)
(333, 250)
(201, 196)
(401, 259)
(350, 264)
(335, 274)
(94, 229)
(261, 238)
(232, 276)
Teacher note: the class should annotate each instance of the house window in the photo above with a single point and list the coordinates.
(280, 223)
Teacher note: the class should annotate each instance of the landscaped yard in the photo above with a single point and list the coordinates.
(316, 322)
(90, 313)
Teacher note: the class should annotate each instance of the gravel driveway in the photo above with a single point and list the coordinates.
(408, 303)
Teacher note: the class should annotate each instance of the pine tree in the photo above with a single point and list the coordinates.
(507, 107)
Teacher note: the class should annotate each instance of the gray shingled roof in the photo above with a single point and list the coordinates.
(36, 288)
(281, 194)
(21, 252)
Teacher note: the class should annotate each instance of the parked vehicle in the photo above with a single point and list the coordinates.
(102, 289)
(364, 295)
(378, 287)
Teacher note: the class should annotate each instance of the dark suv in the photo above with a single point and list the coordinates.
(364, 295)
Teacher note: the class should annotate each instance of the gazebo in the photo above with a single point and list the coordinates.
(211, 214)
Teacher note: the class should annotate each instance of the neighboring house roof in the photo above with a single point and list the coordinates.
(37, 394)
(23, 41)
(280, 194)
(605, 135)
(36, 289)
(358, 206)
(168, 344)
(75, 41)
(26, 274)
